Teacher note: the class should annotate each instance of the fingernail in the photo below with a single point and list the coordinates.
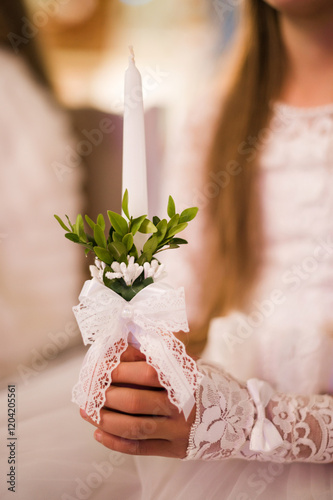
(98, 436)
(83, 413)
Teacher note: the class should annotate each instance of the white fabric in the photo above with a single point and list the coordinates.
(291, 348)
(56, 457)
(231, 422)
(264, 435)
(224, 416)
(285, 338)
(152, 316)
(286, 335)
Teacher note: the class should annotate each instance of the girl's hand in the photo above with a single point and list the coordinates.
(138, 418)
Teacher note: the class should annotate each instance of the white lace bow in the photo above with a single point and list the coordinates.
(106, 320)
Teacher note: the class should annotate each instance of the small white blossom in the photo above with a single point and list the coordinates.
(129, 272)
(117, 273)
(97, 270)
(154, 270)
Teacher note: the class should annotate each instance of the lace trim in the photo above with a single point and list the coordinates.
(225, 418)
(171, 368)
(95, 376)
(106, 320)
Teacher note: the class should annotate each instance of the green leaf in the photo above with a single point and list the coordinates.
(173, 221)
(128, 241)
(116, 284)
(103, 255)
(91, 240)
(156, 220)
(188, 214)
(72, 237)
(177, 229)
(143, 258)
(151, 245)
(62, 224)
(101, 221)
(117, 236)
(171, 207)
(162, 227)
(145, 282)
(136, 223)
(179, 241)
(70, 224)
(79, 228)
(134, 253)
(127, 292)
(90, 222)
(124, 204)
(118, 222)
(84, 244)
(117, 249)
(139, 284)
(99, 236)
(147, 227)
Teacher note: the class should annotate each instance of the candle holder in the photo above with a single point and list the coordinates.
(123, 303)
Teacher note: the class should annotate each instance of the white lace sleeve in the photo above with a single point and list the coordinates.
(252, 421)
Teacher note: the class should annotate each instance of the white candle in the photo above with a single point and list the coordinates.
(134, 147)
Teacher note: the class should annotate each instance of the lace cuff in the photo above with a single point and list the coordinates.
(224, 416)
(255, 422)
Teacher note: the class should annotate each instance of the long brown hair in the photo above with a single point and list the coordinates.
(13, 16)
(235, 210)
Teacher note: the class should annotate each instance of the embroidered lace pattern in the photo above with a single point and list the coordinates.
(174, 363)
(95, 378)
(306, 426)
(226, 414)
(94, 318)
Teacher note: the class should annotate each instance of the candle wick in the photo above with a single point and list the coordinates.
(131, 53)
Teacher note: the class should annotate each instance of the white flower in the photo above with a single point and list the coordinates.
(129, 272)
(117, 272)
(154, 270)
(97, 270)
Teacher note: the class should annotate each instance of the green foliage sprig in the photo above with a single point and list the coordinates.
(117, 245)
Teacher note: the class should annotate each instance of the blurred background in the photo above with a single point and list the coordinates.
(85, 46)
(177, 45)
(61, 140)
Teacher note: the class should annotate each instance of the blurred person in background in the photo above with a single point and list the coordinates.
(263, 269)
(40, 274)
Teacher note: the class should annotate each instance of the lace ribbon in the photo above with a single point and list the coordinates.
(106, 320)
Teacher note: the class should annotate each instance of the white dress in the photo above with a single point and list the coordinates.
(286, 340)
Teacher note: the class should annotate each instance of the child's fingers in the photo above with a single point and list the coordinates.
(138, 373)
(132, 426)
(139, 402)
(156, 447)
